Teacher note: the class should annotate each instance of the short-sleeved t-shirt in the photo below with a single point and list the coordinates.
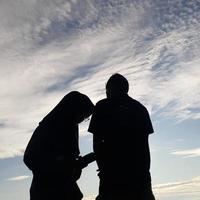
(123, 125)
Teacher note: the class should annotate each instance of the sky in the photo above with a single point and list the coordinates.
(50, 47)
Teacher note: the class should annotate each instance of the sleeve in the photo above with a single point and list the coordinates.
(32, 149)
(94, 126)
(148, 127)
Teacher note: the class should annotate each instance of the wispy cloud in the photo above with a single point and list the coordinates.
(189, 189)
(18, 178)
(189, 153)
(51, 47)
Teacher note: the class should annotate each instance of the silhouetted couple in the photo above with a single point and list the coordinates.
(120, 127)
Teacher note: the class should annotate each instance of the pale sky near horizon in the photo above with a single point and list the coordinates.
(50, 47)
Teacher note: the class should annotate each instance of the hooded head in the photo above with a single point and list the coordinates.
(74, 107)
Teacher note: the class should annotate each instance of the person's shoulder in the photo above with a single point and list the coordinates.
(102, 102)
(102, 106)
(137, 104)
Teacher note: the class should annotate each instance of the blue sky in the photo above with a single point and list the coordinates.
(50, 47)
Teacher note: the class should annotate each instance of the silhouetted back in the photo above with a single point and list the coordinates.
(123, 124)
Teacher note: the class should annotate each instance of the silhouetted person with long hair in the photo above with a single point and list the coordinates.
(121, 127)
(53, 151)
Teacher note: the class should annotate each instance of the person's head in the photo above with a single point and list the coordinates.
(80, 105)
(74, 107)
(117, 86)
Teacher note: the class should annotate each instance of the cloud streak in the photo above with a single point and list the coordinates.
(189, 189)
(189, 153)
(18, 178)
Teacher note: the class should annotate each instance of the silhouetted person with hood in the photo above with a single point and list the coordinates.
(121, 127)
(53, 151)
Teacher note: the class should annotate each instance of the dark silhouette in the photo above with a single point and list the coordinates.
(52, 153)
(120, 127)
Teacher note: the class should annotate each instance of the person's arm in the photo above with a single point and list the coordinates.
(98, 147)
(147, 155)
(95, 127)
